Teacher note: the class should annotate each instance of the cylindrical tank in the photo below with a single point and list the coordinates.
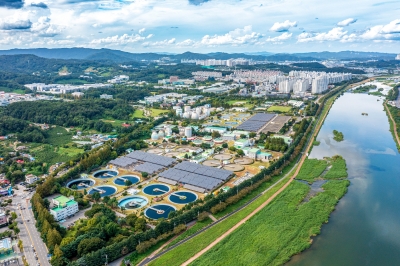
(186, 115)
(187, 108)
(154, 135)
(168, 131)
(198, 110)
(195, 116)
(188, 132)
(161, 134)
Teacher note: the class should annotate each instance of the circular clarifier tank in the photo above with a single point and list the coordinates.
(182, 197)
(120, 180)
(133, 202)
(81, 183)
(156, 189)
(105, 173)
(103, 190)
(159, 211)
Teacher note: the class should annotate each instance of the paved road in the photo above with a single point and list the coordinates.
(398, 99)
(29, 234)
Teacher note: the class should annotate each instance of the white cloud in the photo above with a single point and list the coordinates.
(347, 22)
(334, 34)
(283, 26)
(120, 40)
(15, 24)
(235, 37)
(283, 37)
(160, 43)
(142, 30)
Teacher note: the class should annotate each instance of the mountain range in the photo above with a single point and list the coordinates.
(118, 56)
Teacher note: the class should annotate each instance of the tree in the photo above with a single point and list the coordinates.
(140, 224)
(46, 203)
(128, 183)
(16, 230)
(145, 174)
(90, 244)
(224, 145)
(96, 196)
(252, 134)
(85, 192)
(240, 152)
(58, 252)
(215, 134)
(14, 215)
(53, 238)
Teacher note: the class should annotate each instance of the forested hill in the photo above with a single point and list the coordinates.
(121, 56)
(83, 113)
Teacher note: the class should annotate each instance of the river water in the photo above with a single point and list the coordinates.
(365, 227)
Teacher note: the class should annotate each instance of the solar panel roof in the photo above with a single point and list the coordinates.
(256, 122)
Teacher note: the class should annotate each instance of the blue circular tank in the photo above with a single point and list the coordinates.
(159, 211)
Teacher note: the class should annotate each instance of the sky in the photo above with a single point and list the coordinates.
(277, 26)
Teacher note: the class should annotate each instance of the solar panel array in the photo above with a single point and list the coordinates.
(123, 161)
(196, 175)
(151, 158)
(256, 122)
(149, 168)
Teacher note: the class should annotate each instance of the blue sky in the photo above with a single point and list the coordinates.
(202, 26)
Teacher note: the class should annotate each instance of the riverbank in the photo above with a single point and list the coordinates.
(208, 239)
(282, 229)
(394, 127)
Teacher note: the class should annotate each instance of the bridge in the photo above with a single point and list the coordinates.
(156, 210)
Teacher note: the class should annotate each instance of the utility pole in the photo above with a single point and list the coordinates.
(106, 259)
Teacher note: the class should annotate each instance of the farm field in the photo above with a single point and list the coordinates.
(280, 230)
(282, 109)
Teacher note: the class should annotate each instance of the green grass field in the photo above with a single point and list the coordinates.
(185, 251)
(157, 112)
(59, 136)
(282, 109)
(138, 114)
(279, 231)
(312, 169)
(338, 169)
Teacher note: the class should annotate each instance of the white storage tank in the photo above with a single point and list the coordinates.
(187, 108)
(198, 110)
(154, 135)
(161, 134)
(188, 132)
(186, 115)
(168, 131)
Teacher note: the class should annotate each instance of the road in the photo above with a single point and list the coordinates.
(398, 99)
(29, 234)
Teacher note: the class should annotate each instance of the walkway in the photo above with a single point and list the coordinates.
(394, 125)
(259, 208)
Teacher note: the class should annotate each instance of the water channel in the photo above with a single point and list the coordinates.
(365, 227)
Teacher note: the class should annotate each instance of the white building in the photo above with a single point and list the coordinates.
(300, 86)
(286, 86)
(106, 96)
(64, 207)
(319, 84)
(30, 179)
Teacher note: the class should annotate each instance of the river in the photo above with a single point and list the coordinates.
(365, 227)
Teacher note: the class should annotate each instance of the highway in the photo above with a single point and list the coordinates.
(29, 234)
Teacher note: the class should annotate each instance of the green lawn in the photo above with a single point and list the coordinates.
(312, 169)
(338, 169)
(282, 229)
(157, 112)
(138, 114)
(282, 109)
(70, 151)
(5, 89)
(48, 154)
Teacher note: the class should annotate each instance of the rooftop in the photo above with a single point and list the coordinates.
(62, 199)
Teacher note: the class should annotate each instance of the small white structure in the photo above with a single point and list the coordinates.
(168, 131)
(30, 179)
(154, 135)
(188, 132)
